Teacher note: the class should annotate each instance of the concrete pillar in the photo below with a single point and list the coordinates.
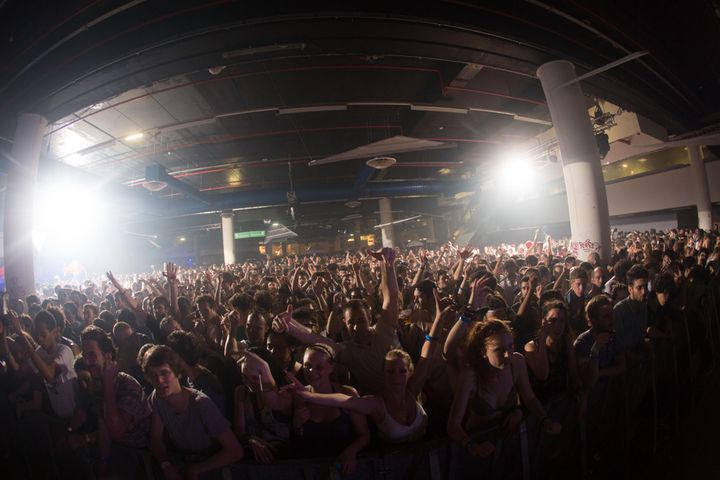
(388, 233)
(431, 230)
(19, 205)
(702, 192)
(228, 238)
(587, 198)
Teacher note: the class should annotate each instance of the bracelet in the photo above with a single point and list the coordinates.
(465, 318)
(429, 338)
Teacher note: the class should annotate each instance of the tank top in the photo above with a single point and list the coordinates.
(328, 438)
(481, 408)
(392, 431)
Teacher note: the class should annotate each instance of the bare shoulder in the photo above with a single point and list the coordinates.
(518, 361)
(530, 347)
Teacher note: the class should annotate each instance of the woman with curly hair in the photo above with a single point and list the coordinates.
(492, 392)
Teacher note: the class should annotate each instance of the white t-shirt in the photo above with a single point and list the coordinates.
(61, 390)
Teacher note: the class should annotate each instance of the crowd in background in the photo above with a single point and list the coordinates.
(329, 356)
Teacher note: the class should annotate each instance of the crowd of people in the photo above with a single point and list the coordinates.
(328, 356)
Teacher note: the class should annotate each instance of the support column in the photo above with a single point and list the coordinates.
(585, 186)
(228, 238)
(388, 233)
(19, 205)
(702, 192)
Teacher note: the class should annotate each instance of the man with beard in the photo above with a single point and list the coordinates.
(119, 403)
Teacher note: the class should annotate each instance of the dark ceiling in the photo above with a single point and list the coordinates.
(103, 70)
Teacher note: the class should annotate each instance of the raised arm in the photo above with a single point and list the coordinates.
(12, 363)
(388, 285)
(154, 289)
(171, 275)
(284, 322)
(137, 309)
(558, 283)
(432, 342)
(459, 331)
(528, 298)
(335, 319)
(280, 401)
(359, 282)
(549, 251)
(48, 370)
(419, 274)
(318, 287)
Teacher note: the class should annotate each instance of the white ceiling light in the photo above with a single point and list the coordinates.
(539, 121)
(437, 108)
(134, 136)
(381, 163)
(353, 203)
(281, 47)
(154, 185)
(312, 109)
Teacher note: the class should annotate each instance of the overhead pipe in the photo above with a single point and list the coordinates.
(276, 197)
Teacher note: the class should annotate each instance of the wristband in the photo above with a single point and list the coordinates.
(428, 338)
(465, 318)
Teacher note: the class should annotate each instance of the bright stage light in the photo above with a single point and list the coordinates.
(66, 214)
(515, 171)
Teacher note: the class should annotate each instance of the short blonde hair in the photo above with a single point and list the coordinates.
(398, 353)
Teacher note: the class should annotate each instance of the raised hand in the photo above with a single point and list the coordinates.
(479, 291)
(110, 371)
(295, 386)
(170, 272)
(281, 323)
(15, 322)
(113, 280)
